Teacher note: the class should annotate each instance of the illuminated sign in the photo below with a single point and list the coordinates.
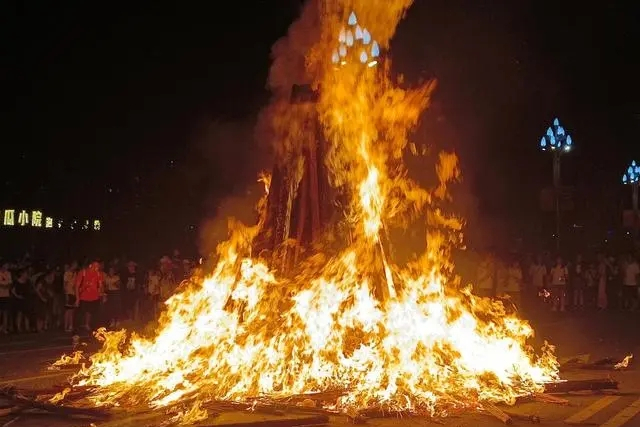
(36, 219)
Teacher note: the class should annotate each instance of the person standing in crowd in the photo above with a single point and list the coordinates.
(514, 282)
(602, 277)
(578, 282)
(89, 288)
(5, 293)
(485, 277)
(591, 279)
(52, 318)
(69, 282)
(153, 292)
(41, 304)
(631, 284)
(167, 278)
(558, 283)
(20, 299)
(613, 283)
(132, 289)
(537, 274)
(113, 303)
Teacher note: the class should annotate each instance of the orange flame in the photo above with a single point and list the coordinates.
(402, 336)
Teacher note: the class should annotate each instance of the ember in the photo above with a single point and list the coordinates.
(348, 317)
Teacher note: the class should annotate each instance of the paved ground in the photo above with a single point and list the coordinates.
(23, 361)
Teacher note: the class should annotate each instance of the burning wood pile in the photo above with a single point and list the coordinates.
(342, 327)
(74, 402)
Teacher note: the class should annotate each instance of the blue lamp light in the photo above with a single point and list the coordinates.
(357, 39)
(631, 175)
(556, 138)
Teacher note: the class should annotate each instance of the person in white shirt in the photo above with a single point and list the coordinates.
(558, 282)
(631, 284)
(113, 302)
(5, 295)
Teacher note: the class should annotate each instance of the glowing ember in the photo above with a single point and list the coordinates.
(405, 337)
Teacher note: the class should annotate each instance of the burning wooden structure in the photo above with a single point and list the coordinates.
(300, 200)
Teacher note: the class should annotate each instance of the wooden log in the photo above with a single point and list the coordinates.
(291, 422)
(29, 403)
(534, 419)
(303, 189)
(547, 398)
(581, 385)
(314, 191)
(497, 413)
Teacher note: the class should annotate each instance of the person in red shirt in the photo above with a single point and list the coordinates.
(89, 287)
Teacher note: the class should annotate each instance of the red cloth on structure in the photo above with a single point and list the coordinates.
(88, 284)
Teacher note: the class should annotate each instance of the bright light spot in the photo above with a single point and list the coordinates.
(23, 218)
(341, 36)
(36, 219)
(352, 19)
(367, 37)
(363, 57)
(375, 49)
(349, 38)
(372, 63)
(342, 50)
(358, 33)
(555, 122)
(335, 57)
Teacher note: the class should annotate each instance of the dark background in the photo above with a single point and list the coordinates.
(108, 110)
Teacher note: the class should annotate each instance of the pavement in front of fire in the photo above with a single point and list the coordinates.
(24, 360)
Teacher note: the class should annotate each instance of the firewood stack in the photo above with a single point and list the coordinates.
(300, 204)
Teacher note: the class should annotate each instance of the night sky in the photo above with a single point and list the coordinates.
(104, 107)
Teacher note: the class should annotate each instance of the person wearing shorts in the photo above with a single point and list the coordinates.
(89, 284)
(69, 281)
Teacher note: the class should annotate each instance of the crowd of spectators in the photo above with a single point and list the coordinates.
(36, 297)
(600, 282)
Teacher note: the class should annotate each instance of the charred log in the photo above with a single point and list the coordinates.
(581, 385)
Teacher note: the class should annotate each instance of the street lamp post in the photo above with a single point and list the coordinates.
(559, 142)
(631, 178)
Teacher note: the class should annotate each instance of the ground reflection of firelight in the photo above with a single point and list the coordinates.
(403, 337)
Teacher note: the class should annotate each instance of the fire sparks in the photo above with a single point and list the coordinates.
(399, 336)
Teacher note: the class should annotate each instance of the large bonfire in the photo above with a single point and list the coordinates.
(405, 337)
